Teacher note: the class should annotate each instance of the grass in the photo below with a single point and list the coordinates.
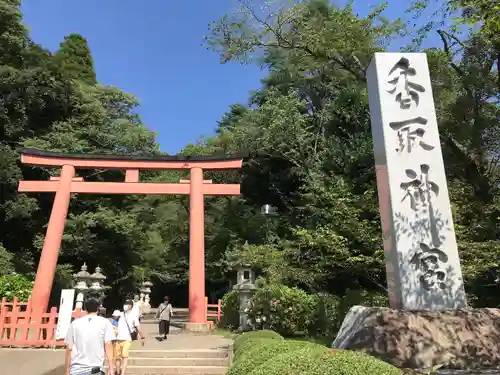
(223, 332)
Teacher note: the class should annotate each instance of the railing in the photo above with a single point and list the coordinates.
(213, 311)
(19, 326)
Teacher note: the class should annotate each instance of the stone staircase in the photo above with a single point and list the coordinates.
(180, 362)
(184, 353)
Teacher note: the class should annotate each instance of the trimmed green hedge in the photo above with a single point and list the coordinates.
(293, 362)
(254, 335)
(267, 353)
(320, 360)
(310, 360)
(248, 344)
(260, 352)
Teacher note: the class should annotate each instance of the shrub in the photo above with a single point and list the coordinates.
(15, 286)
(325, 318)
(311, 360)
(258, 353)
(291, 310)
(230, 310)
(242, 339)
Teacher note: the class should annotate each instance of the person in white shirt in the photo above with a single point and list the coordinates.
(138, 307)
(128, 331)
(88, 342)
(164, 314)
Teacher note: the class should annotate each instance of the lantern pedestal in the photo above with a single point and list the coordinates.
(246, 289)
(145, 291)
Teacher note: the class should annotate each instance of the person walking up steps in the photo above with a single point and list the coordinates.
(138, 307)
(89, 340)
(128, 331)
(164, 313)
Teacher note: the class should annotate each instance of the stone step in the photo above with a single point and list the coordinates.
(176, 370)
(180, 353)
(181, 361)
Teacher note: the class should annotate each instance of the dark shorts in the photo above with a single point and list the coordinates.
(164, 327)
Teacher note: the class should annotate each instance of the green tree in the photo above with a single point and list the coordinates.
(310, 128)
(6, 264)
(54, 103)
(307, 135)
(75, 59)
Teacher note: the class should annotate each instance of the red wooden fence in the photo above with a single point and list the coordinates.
(20, 327)
(213, 314)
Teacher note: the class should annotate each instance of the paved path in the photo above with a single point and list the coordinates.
(32, 361)
(51, 362)
(179, 339)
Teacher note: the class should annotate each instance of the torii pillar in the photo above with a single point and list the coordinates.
(197, 318)
(53, 237)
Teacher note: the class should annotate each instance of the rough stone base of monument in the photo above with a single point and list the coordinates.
(467, 338)
(198, 327)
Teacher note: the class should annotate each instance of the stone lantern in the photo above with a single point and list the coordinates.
(97, 278)
(86, 283)
(245, 286)
(82, 279)
(145, 291)
(96, 286)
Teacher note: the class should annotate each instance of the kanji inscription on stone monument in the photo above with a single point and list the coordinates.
(422, 262)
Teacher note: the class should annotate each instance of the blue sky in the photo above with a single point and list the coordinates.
(152, 50)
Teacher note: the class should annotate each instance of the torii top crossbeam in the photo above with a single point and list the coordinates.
(132, 165)
(110, 161)
(67, 183)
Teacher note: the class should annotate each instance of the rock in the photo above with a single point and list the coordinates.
(465, 338)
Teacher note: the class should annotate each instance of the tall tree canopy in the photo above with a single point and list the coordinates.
(75, 59)
(310, 122)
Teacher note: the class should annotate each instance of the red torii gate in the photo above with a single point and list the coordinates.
(67, 183)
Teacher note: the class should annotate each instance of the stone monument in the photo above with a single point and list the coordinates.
(428, 323)
(422, 263)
